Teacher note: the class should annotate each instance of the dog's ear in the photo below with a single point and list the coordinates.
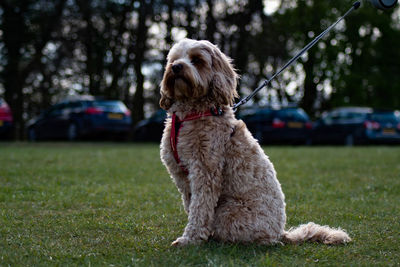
(224, 81)
(166, 99)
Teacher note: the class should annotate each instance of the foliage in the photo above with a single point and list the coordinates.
(114, 204)
(347, 68)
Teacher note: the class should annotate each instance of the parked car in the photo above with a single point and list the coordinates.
(383, 126)
(6, 119)
(81, 118)
(151, 129)
(286, 125)
(357, 125)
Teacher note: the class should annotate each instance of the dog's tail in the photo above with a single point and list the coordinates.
(316, 233)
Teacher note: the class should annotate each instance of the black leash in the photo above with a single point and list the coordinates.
(243, 101)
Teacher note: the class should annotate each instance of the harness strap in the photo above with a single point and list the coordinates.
(176, 126)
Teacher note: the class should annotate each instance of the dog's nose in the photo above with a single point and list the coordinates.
(177, 68)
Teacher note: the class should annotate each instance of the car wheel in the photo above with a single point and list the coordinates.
(32, 136)
(308, 142)
(349, 141)
(72, 133)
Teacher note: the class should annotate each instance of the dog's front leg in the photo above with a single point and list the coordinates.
(182, 183)
(205, 185)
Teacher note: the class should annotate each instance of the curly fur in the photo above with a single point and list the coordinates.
(230, 190)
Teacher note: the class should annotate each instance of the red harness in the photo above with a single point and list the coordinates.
(176, 126)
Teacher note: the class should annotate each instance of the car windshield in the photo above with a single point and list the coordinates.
(354, 115)
(110, 106)
(293, 114)
(346, 115)
(384, 117)
(258, 114)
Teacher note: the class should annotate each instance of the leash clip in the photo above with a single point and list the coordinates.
(217, 111)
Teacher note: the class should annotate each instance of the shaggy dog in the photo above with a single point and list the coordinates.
(228, 185)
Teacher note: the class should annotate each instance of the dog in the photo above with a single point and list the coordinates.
(229, 186)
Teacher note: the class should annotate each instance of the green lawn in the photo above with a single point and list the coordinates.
(114, 205)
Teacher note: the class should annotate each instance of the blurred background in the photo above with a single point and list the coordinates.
(106, 58)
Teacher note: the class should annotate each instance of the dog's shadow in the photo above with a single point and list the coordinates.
(215, 253)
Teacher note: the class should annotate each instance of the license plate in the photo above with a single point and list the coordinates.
(1, 123)
(294, 124)
(389, 131)
(115, 116)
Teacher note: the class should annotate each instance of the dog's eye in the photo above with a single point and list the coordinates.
(195, 60)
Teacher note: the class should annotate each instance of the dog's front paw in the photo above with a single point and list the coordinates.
(184, 241)
(180, 242)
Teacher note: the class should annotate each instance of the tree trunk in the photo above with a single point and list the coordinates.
(211, 23)
(13, 39)
(310, 87)
(140, 49)
(138, 98)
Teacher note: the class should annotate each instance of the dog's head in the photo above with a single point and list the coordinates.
(198, 70)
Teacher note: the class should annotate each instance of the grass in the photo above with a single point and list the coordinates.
(114, 205)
